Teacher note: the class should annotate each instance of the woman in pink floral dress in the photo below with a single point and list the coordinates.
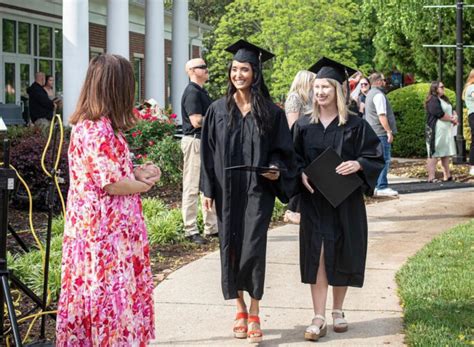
(106, 288)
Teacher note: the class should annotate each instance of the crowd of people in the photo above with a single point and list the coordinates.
(240, 152)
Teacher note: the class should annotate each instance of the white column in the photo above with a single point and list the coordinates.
(155, 51)
(75, 52)
(180, 53)
(117, 28)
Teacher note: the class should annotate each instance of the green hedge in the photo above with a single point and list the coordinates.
(408, 105)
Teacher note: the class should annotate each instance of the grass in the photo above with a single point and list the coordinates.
(436, 288)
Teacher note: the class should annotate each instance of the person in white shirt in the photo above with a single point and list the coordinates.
(379, 114)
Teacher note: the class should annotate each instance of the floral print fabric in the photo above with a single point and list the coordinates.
(106, 287)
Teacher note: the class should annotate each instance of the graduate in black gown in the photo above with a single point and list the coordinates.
(245, 128)
(333, 240)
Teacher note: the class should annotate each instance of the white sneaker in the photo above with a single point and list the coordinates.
(471, 171)
(385, 192)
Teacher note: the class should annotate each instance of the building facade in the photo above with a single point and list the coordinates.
(35, 35)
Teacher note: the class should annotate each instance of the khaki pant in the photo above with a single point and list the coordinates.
(191, 173)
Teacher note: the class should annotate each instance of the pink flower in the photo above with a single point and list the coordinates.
(151, 143)
(173, 116)
(139, 156)
(134, 134)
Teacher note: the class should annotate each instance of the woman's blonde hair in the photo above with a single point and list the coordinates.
(302, 85)
(342, 109)
(108, 91)
(469, 81)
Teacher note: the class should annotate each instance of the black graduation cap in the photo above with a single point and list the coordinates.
(327, 68)
(245, 52)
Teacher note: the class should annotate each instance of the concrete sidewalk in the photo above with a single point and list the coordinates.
(190, 309)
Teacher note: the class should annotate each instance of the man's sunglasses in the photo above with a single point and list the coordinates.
(204, 67)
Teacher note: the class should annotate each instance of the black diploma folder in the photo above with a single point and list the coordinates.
(322, 174)
(258, 169)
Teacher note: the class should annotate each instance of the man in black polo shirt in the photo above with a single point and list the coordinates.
(194, 104)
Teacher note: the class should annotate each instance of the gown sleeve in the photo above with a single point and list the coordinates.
(101, 155)
(207, 178)
(282, 155)
(369, 155)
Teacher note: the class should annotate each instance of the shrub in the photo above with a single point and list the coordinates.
(146, 134)
(408, 104)
(278, 210)
(168, 156)
(26, 158)
(164, 225)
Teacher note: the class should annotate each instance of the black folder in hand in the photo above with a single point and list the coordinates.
(322, 174)
(258, 169)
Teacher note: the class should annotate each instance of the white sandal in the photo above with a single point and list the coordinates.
(314, 332)
(339, 322)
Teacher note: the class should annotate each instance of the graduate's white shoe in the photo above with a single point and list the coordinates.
(471, 171)
(339, 322)
(385, 192)
(314, 332)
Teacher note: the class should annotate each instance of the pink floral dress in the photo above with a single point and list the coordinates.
(106, 287)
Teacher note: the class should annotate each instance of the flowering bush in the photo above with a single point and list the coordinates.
(154, 124)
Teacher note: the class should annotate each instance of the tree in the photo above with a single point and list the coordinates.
(401, 27)
(204, 11)
(298, 32)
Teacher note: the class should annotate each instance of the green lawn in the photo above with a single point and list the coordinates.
(436, 288)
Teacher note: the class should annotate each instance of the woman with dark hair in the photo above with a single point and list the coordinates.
(48, 86)
(440, 119)
(333, 239)
(106, 283)
(247, 130)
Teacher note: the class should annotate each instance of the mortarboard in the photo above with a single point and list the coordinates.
(333, 186)
(245, 52)
(327, 68)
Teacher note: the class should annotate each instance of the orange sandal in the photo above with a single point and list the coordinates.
(255, 335)
(240, 331)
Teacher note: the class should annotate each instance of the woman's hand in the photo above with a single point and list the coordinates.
(306, 183)
(272, 175)
(207, 203)
(148, 173)
(348, 167)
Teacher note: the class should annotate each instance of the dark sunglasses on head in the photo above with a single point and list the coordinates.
(204, 67)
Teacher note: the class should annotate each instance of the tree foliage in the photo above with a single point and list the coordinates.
(298, 32)
(401, 27)
(204, 11)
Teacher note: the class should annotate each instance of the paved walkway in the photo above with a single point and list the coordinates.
(190, 309)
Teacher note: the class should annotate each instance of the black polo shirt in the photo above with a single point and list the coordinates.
(195, 100)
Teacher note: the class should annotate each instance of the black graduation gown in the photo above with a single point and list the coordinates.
(244, 200)
(343, 229)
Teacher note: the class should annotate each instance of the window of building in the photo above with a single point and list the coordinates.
(24, 38)
(45, 40)
(9, 35)
(58, 43)
(168, 66)
(137, 69)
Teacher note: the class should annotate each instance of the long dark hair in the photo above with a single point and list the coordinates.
(259, 96)
(433, 93)
(108, 91)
